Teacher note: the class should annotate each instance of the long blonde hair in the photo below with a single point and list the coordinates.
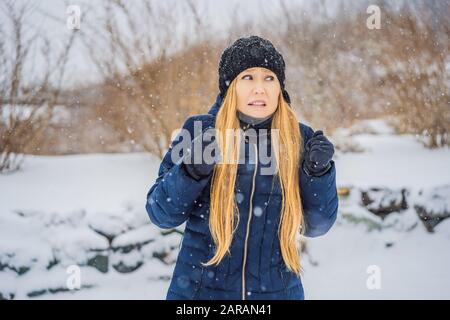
(224, 213)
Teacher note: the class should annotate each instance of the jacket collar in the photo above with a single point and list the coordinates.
(266, 124)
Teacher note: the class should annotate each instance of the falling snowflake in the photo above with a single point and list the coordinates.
(183, 282)
(257, 211)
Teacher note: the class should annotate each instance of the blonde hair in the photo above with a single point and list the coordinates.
(224, 212)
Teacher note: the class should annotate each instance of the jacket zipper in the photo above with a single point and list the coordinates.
(248, 224)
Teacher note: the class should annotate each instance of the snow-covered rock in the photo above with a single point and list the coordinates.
(433, 206)
(126, 253)
(112, 224)
(25, 245)
(353, 211)
(383, 201)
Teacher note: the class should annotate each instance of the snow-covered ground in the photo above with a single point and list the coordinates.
(88, 210)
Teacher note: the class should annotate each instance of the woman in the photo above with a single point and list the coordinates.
(244, 216)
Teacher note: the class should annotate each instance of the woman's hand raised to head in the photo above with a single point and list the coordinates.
(203, 155)
(318, 154)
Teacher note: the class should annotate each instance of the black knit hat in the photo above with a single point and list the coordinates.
(247, 53)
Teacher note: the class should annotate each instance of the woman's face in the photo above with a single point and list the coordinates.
(257, 92)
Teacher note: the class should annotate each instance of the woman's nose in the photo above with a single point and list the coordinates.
(259, 91)
(259, 88)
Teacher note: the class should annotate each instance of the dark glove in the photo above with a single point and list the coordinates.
(318, 153)
(202, 156)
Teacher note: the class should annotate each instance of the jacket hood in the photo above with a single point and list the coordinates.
(214, 110)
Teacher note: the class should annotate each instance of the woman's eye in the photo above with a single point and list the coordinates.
(268, 77)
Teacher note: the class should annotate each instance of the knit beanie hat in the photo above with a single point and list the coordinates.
(247, 53)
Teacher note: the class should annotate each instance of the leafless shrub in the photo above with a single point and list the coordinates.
(27, 100)
(147, 94)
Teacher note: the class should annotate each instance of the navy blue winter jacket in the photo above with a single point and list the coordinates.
(176, 197)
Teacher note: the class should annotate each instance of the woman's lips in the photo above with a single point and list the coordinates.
(257, 103)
